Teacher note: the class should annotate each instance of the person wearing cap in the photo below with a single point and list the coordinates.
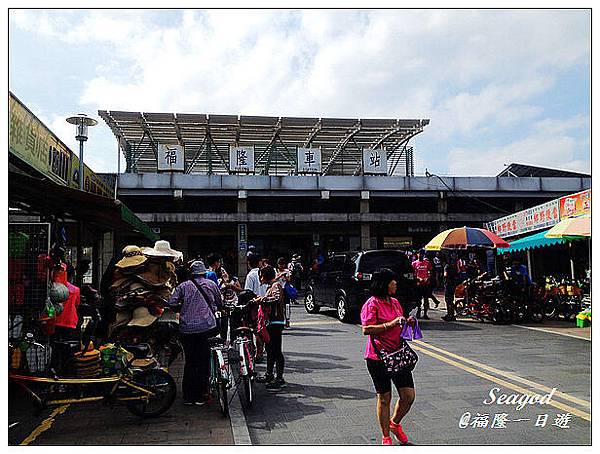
(198, 299)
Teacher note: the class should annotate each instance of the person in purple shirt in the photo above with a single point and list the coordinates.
(197, 301)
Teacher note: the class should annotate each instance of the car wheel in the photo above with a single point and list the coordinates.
(343, 311)
(309, 302)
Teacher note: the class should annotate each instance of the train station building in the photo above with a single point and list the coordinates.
(302, 185)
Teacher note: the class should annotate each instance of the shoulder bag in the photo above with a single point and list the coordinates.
(402, 360)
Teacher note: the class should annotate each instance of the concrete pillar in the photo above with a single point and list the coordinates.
(365, 227)
(442, 209)
(107, 252)
(242, 237)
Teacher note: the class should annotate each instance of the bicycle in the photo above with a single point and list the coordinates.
(220, 379)
(146, 391)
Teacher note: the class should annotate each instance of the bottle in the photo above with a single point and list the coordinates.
(50, 309)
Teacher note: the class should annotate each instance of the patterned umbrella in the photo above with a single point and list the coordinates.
(465, 237)
(572, 228)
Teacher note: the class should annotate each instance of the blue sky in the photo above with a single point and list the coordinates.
(499, 86)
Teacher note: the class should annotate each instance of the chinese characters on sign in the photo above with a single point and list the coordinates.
(374, 161)
(309, 160)
(241, 159)
(529, 220)
(170, 158)
(576, 204)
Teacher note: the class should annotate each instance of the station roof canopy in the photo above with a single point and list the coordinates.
(525, 170)
(207, 138)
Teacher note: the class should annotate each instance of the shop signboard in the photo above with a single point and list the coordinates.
(34, 144)
(374, 161)
(241, 159)
(576, 204)
(309, 160)
(170, 158)
(532, 219)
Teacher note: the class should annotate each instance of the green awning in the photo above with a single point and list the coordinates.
(537, 240)
(129, 216)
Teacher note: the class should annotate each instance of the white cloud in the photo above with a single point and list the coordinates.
(547, 147)
(466, 70)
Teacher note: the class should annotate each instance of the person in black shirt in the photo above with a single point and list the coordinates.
(450, 283)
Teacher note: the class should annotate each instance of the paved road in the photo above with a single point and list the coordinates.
(330, 398)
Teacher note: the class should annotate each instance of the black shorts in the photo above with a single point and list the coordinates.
(382, 379)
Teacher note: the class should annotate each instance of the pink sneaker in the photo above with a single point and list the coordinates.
(396, 429)
(387, 441)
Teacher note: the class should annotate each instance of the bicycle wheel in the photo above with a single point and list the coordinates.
(161, 384)
(248, 391)
(221, 389)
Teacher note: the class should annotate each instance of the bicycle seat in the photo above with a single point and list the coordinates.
(244, 329)
(139, 351)
(215, 341)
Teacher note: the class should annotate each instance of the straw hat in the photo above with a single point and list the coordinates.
(142, 317)
(155, 274)
(132, 256)
(162, 248)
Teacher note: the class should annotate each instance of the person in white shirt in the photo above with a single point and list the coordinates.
(252, 279)
(253, 283)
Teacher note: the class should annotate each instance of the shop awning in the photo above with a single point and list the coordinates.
(43, 196)
(537, 240)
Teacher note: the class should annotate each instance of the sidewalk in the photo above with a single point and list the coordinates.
(94, 424)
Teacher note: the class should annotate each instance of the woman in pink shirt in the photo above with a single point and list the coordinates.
(382, 319)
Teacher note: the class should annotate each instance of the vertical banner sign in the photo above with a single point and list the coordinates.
(170, 158)
(241, 159)
(374, 161)
(242, 237)
(309, 160)
(576, 204)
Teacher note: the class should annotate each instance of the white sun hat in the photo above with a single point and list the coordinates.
(162, 248)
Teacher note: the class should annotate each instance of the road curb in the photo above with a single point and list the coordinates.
(239, 426)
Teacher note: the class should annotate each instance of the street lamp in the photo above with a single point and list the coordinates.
(82, 122)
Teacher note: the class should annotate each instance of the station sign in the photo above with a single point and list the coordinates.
(309, 160)
(374, 161)
(171, 158)
(241, 159)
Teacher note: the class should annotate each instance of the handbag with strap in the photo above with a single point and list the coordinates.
(217, 329)
(402, 360)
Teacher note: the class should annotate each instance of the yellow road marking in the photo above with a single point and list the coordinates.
(509, 375)
(45, 425)
(328, 322)
(499, 381)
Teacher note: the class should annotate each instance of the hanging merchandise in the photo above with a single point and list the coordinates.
(15, 326)
(142, 285)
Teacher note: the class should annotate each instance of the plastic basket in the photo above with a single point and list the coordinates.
(583, 323)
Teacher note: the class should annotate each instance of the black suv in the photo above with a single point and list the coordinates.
(344, 279)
